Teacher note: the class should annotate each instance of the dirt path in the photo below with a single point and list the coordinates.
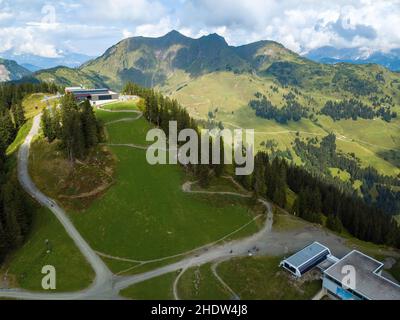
(224, 284)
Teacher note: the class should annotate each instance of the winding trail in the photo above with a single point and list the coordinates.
(106, 285)
(216, 275)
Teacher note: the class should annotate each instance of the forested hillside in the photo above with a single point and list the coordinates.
(15, 208)
(316, 198)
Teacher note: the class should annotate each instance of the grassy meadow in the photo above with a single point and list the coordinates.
(226, 95)
(24, 266)
(145, 214)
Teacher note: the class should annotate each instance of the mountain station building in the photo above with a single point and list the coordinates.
(369, 283)
(95, 96)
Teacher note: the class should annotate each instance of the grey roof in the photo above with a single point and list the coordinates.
(326, 264)
(89, 91)
(306, 254)
(367, 282)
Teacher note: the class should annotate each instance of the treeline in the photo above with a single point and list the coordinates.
(12, 115)
(15, 211)
(160, 110)
(318, 156)
(75, 125)
(345, 78)
(12, 94)
(292, 111)
(15, 208)
(361, 220)
(316, 198)
(354, 109)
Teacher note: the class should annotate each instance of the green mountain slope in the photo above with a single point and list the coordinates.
(206, 74)
(65, 76)
(151, 61)
(155, 61)
(10, 70)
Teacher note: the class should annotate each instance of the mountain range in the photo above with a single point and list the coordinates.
(172, 61)
(264, 86)
(331, 55)
(35, 63)
(10, 70)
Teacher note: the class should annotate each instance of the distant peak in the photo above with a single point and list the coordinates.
(215, 37)
(174, 34)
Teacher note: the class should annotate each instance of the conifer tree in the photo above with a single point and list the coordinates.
(19, 115)
(89, 125)
(7, 129)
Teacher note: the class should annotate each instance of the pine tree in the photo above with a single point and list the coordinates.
(78, 137)
(333, 223)
(89, 125)
(259, 186)
(7, 129)
(47, 125)
(15, 213)
(19, 115)
(56, 123)
(71, 130)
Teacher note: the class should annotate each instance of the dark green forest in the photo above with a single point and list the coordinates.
(354, 109)
(319, 156)
(291, 111)
(74, 125)
(15, 208)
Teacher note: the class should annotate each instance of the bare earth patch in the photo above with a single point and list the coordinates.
(76, 185)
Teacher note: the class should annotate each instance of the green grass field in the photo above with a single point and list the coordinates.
(24, 266)
(19, 139)
(126, 105)
(262, 278)
(201, 284)
(128, 132)
(160, 288)
(342, 175)
(229, 94)
(33, 105)
(248, 278)
(145, 214)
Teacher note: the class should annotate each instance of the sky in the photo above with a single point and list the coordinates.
(51, 28)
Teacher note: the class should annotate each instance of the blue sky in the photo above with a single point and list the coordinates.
(48, 28)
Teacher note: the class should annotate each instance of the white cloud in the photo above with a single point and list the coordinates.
(92, 26)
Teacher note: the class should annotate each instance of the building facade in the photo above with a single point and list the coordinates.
(95, 96)
(356, 276)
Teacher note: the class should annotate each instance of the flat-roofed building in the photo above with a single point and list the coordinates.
(354, 277)
(306, 259)
(93, 95)
(369, 284)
